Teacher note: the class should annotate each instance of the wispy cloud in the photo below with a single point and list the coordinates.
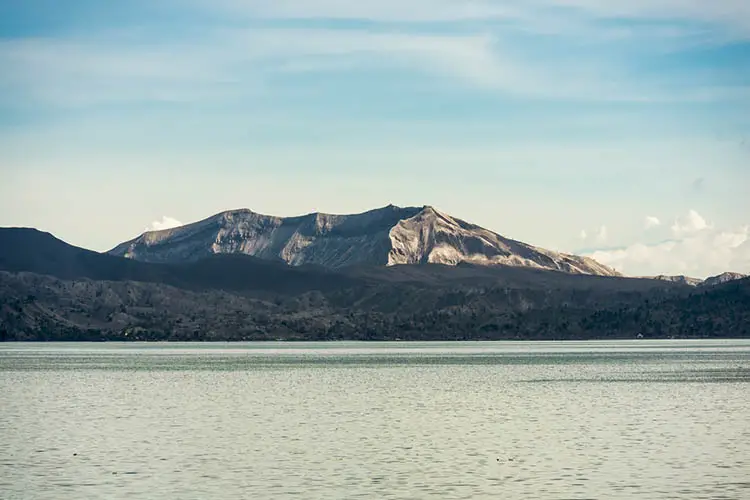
(491, 45)
(236, 62)
(84, 71)
(473, 58)
(68, 71)
(233, 63)
(384, 11)
(569, 16)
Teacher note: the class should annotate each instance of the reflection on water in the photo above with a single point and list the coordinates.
(543, 420)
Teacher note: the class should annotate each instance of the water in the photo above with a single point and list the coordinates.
(547, 420)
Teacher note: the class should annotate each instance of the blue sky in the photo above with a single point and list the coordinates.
(619, 129)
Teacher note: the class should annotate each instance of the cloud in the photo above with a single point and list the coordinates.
(700, 251)
(73, 72)
(473, 58)
(166, 222)
(651, 222)
(690, 224)
(731, 15)
(237, 63)
(382, 11)
(240, 61)
(451, 10)
(584, 235)
(225, 60)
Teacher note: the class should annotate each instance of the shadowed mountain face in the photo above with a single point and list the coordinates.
(29, 250)
(387, 236)
(326, 240)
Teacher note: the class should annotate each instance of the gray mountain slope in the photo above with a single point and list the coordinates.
(382, 237)
(683, 280)
(722, 278)
(710, 281)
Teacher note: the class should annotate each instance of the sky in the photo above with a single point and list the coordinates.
(617, 129)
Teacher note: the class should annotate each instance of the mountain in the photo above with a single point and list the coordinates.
(26, 250)
(383, 237)
(722, 278)
(712, 281)
(50, 290)
(683, 280)
(32, 251)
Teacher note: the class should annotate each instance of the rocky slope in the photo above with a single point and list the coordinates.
(722, 278)
(383, 237)
(683, 280)
(711, 281)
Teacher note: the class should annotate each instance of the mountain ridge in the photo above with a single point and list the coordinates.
(697, 282)
(722, 278)
(384, 236)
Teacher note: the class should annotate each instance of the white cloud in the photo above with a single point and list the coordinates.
(584, 235)
(165, 223)
(690, 224)
(700, 251)
(230, 62)
(473, 58)
(651, 222)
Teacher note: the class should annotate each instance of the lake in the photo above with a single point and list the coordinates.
(542, 420)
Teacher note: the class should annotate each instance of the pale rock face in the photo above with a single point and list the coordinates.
(722, 278)
(684, 280)
(437, 238)
(386, 236)
(712, 281)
